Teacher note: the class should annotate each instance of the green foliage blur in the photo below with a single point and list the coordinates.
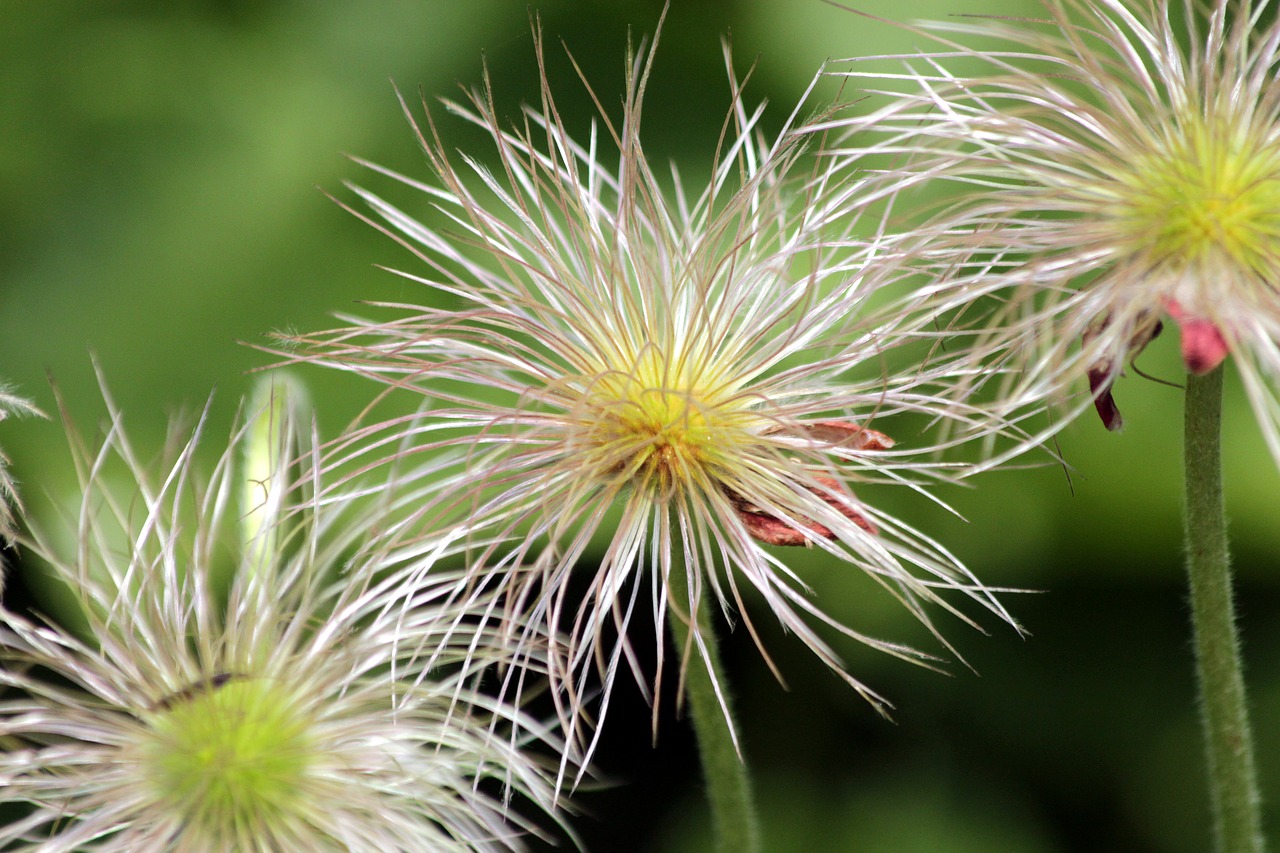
(158, 206)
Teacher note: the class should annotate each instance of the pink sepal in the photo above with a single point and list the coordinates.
(1203, 347)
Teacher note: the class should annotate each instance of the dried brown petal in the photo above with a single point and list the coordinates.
(843, 434)
(771, 530)
(1100, 382)
(774, 531)
(1102, 373)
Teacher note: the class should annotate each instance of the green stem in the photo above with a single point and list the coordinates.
(1233, 785)
(728, 783)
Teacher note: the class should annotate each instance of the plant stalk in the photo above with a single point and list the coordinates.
(1233, 784)
(728, 782)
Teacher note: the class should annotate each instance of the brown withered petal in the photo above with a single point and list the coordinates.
(1102, 373)
(772, 530)
(845, 434)
(1100, 382)
(775, 531)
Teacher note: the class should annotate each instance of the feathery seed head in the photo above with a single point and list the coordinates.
(699, 362)
(1117, 163)
(321, 702)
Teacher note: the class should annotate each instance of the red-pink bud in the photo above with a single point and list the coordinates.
(1203, 347)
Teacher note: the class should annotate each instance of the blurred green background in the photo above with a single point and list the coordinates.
(158, 164)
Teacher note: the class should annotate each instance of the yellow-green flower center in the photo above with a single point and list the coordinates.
(228, 759)
(662, 427)
(1206, 197)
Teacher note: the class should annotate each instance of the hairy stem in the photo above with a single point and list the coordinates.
(1233, 784)
(728, 783)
